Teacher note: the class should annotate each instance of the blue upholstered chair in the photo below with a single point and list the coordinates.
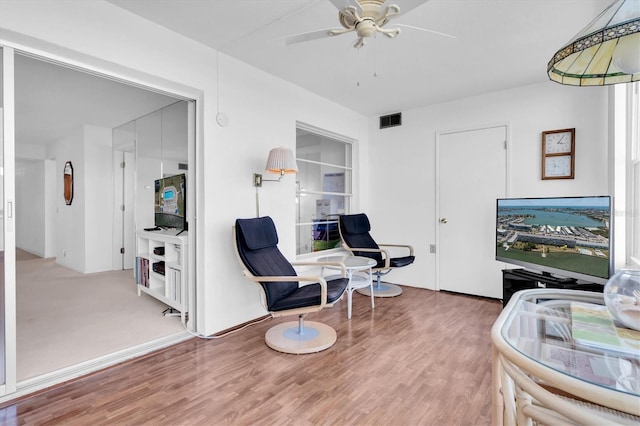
(354, 232)
(284, 292)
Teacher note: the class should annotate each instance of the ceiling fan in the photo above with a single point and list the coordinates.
(364, 17)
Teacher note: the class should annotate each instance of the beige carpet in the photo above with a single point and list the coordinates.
(65, 317)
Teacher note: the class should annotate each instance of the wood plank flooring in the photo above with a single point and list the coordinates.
(423, 358)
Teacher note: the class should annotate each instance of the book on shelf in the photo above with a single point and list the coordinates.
(173, 290)
(593, 325)
(142, 271)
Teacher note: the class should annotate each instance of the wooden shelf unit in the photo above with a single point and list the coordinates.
(155, 247)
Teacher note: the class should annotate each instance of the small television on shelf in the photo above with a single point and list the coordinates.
(170, 202)
(563, 237)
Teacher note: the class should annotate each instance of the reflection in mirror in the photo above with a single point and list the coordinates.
(151, 147)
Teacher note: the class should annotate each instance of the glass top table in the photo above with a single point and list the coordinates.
(354, 264)
(534, 336)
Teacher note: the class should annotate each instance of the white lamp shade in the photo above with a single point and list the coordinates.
(281, 161)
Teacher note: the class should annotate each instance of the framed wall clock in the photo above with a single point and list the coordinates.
(558, 154)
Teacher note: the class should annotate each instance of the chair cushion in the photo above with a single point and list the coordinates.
(258, 233)
(256, 240)
(309, 295)
(355, 223)
(354, 229)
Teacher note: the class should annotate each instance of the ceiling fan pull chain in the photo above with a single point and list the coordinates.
(375, 56)
(358, 67)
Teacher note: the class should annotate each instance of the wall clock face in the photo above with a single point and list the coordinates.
(558, 166)
(558, 143)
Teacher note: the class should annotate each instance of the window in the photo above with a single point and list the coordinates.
(633, 173)
(323, 188)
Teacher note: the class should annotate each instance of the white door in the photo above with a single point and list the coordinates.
(471, 175)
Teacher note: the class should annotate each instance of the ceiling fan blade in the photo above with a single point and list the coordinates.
(426, 30)
(302, 37)
(341, 4)
(407, 6)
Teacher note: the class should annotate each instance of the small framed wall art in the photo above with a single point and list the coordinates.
(558, 154)
(68, 183)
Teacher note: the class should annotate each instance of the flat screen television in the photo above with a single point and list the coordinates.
(565, 237)
(170, 202)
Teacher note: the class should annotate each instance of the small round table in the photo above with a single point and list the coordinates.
(353, 264)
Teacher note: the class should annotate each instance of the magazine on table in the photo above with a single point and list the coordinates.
(592, 325)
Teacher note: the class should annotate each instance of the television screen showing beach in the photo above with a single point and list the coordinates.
(565, 233)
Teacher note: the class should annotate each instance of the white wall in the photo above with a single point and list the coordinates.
(98, 198)
(83, 229)
(402, 207)
(70, 219)
(50, 209)
(263, 111)
(30, 206)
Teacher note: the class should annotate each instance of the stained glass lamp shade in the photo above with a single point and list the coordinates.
(607, 51)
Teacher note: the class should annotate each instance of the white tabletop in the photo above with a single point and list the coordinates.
(350, 262)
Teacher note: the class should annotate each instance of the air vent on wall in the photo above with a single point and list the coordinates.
(182, 166)
(391, 120)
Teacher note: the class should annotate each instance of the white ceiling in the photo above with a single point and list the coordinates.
(52, 100)
(499, 44)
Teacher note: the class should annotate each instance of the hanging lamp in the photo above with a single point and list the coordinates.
(607, 51)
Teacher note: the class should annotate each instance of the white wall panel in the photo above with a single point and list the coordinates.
(262, 109)
(403, 198)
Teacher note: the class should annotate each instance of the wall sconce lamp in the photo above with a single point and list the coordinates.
(280, 161)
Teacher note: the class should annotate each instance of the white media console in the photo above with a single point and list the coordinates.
(161, 268)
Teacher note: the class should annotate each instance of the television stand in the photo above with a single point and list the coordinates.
(161, 269)
(514, 280)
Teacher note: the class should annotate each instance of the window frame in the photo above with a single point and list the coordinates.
(348, 195)
(633, 174)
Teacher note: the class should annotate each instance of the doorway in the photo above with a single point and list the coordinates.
(472, 174)
(90, 106)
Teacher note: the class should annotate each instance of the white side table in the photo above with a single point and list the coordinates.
(354, 264)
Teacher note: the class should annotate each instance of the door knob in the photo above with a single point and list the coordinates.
(443, 220)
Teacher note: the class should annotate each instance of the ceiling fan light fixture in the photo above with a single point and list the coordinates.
(366, 28)
(364, 17)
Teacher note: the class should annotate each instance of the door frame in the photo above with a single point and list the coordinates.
(7, 126)
(439, 134)
(12, 44)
